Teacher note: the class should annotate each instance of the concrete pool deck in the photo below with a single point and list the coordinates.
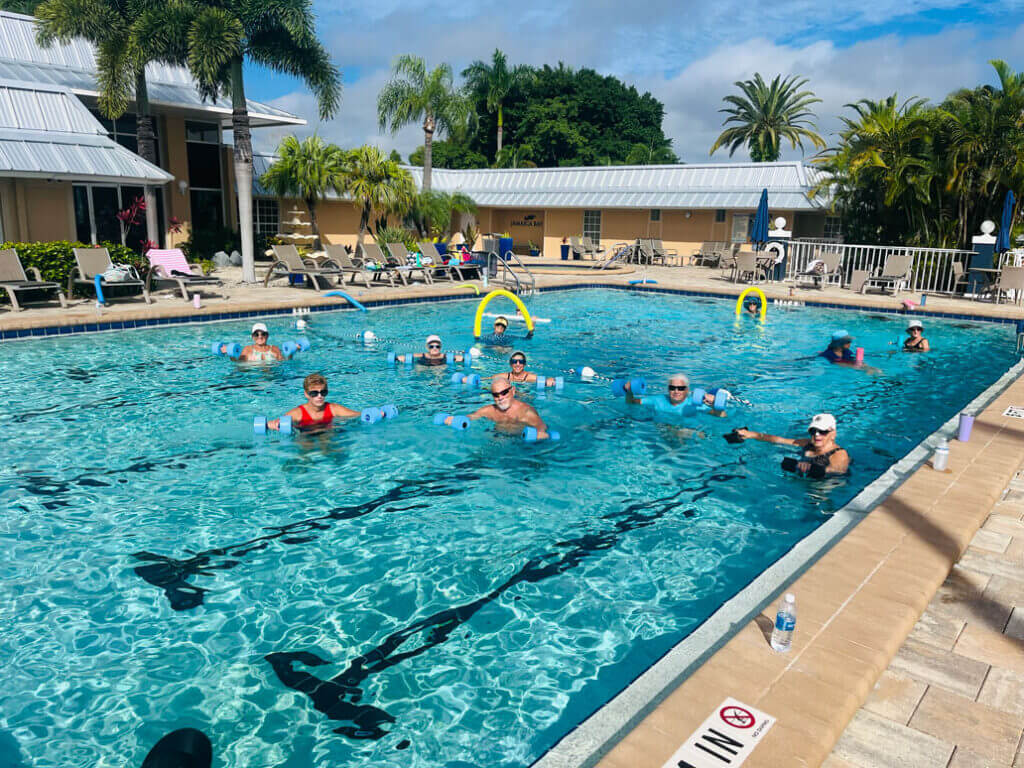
(857, 603)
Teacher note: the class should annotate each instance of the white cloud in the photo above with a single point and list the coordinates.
(647, 53)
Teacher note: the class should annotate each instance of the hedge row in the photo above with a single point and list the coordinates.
(55, 260)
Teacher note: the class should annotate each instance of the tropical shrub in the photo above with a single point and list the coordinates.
(56, 259)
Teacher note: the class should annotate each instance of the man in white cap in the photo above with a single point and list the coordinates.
(917, 342)
(434, 355)
(819, 453)
(259, 351)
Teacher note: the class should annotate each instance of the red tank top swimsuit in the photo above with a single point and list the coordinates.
(309, 421)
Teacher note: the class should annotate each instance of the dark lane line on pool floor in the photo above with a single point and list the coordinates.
(339, 697)
(172, 575)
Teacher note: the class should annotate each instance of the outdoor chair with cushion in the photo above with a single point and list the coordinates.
(288, 263)
(337, 254)
(664, 253)
(727, 258)
(453, 269)
(592, 249)
(647, 254)
(169, 269)
(1011, 280)
(746, 264)
(114, 279)
(13, 279)
(895, 274)
(404, 258)
(960, 277)
(376, 254)
(576, 249)
(821, 271)
(708, 254)
(857, 279)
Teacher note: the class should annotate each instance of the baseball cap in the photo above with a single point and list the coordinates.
(433, 337)
(915, 324)
(826, 422)
(259, 327)
(500, 320)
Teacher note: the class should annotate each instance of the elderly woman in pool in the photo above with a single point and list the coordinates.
(316, 413)
(916, 342)
(819, 449)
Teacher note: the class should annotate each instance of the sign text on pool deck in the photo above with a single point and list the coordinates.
(726, 738)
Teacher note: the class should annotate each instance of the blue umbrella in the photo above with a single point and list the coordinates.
(759, 232)
(1003, 241)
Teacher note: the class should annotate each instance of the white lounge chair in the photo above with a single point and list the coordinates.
(14, 280)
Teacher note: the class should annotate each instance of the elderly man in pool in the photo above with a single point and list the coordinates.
(676, 401)
(508, 413)
(433, 355)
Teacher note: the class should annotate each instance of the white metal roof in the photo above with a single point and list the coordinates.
(47, 133)
(711, 185)
(74, 66)
(719, 185)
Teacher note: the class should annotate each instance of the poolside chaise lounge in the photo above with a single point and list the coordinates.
(13, 279)
(435, 268)
(823, 273)
(746, 264)
(577, 249)
(454, 269)
(660, 251)
(895, 274)
(93, 262)
(337, 254)
(288, 263)
(709, 253)
(376, 254)
(592, 249)
(168, 268)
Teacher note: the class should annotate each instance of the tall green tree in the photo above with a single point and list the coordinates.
(414, 94)
(492, 83)
(377, 185)
(309, 170)
(765, 115)
(219, 36)
(27, 7)
(431, 212)
(449, 153)
(109, 25)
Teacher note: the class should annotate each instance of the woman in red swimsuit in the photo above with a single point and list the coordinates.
(317, 413)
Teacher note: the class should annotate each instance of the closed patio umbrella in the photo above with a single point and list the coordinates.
(1003, 240)
(759, 232)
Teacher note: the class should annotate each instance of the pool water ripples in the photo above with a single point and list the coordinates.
(401, 594)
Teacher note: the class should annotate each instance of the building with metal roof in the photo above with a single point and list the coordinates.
(73, 65)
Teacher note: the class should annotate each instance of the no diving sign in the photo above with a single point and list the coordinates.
(726, 738)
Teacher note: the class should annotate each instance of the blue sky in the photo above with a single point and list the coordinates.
(687, 54)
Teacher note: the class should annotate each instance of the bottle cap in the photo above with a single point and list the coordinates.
(790, 597)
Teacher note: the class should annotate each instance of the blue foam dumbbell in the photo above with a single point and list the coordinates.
(303, 344)
(638, 386)
(557, 382)
(449, 357)
(460, 423)
(697, 396)
(289, 348)
(722, 397)
(439, 419)
(392, 358)
(371, 415)
(259, 425)
(530, 435)
(408, 359)
(215, 348)
(467, 358)
(389, 410)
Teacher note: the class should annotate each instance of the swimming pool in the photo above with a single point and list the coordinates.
(473, 597)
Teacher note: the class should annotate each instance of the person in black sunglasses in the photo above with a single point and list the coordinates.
(507, 412)
(819, 452)
(517, 372)
(434, 354)
(316, 413)
(675, 401)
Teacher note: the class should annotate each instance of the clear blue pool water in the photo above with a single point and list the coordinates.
(400, 594)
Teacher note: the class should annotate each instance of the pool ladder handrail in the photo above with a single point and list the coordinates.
(509, 276)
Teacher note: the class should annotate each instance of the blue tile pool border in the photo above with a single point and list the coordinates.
(151, 322)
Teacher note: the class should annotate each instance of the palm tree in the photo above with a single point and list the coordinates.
(309, 170)
(494, 82)
(376, 184)
(431, 212)
(414, 94)
(280, 36)
(120, 67)
(766, 114)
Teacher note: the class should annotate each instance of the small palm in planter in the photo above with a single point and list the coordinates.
(534, 250)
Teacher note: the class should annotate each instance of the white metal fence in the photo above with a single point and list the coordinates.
(932, 268)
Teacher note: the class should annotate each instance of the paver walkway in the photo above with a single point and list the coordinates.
(954, 694)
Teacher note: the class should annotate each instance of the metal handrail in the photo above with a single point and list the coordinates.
(510, 276)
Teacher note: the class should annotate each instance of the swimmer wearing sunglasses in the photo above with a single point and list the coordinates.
(316, 413)
(434, 354)
(517, 373)
(508, 413)
(675, 401)
(819, 452)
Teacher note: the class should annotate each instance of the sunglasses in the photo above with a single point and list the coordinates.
(517, 361)
(260, 333)
(814, 431)
(317, 392)
(674, 388)
(498, 395)
(433, 346)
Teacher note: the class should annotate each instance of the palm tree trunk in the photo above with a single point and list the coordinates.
(243, 168)
(428, 140)
(311, 205)
(147, 151)
(501, 129)
(364, 220)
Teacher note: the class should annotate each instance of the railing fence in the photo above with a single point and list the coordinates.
(931, 269)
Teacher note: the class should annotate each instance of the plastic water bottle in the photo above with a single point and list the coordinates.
(785, 623)
(940, 459)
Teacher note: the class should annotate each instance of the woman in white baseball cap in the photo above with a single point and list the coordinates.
(916, 341)
(434, 354)
(820, 455)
